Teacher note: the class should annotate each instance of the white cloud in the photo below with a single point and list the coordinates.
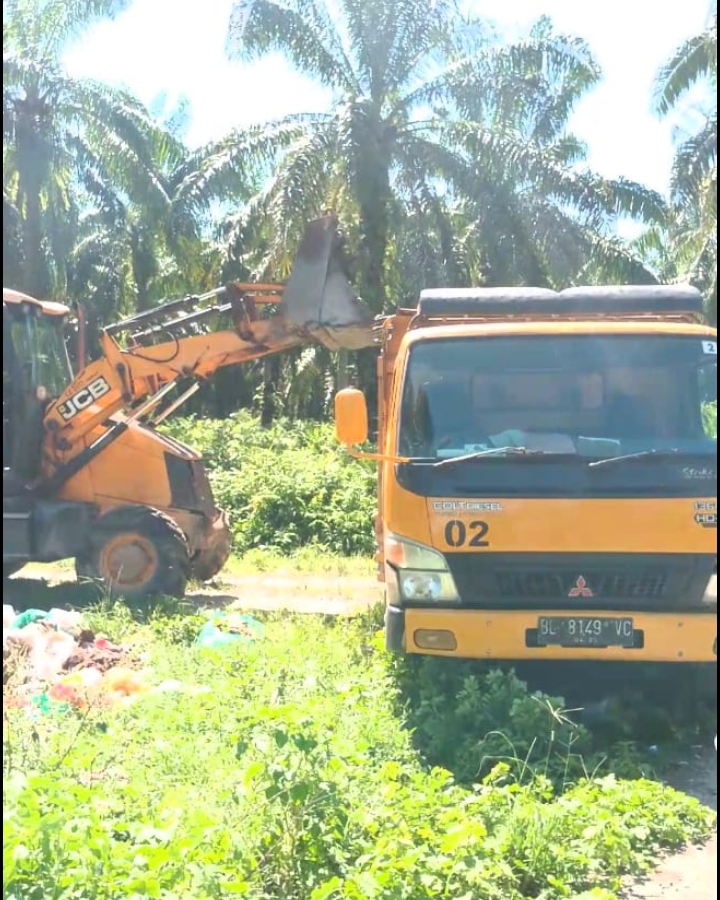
(178, 46)
(631, 39)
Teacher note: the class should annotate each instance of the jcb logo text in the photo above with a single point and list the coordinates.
(85, 397)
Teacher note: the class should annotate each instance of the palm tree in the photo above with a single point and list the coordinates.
(163, 246)
(526, 208)
(57, 130)
(433, 127)
(12, 243)
(692, 235)
(445, 154)
(374, 57)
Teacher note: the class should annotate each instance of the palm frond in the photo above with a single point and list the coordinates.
(693, 61)
(308, 41)
(695, 161)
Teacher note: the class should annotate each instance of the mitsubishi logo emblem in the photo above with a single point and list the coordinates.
(581, 589)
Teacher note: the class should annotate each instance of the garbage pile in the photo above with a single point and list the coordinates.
(52, 660)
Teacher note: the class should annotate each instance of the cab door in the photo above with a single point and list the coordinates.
(23, 409)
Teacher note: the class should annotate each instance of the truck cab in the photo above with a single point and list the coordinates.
(548, 474)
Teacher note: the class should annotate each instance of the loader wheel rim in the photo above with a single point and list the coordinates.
(129, 560)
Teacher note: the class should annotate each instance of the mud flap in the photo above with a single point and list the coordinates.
(318, 296)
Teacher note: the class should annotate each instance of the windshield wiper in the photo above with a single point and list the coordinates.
(643, 454)
(493, 451)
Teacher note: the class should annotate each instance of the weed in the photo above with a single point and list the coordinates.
(284, 771)
(286, 487)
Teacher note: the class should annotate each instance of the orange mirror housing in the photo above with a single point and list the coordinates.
(351, 417)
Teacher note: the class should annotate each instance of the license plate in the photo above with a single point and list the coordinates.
(585, 631)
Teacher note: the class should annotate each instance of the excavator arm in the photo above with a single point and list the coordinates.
(316, 303)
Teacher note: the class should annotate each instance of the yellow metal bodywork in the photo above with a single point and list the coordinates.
(501, 634)
(132, 467)
(558, 526)
(553, 328)
(133, 471)
(119, 389)
(96, 448)
(628, 525)
(135, 373)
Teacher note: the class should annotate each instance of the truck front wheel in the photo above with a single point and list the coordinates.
(137, 552)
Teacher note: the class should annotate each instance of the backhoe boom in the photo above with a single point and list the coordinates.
(123, 377)
(316, 304)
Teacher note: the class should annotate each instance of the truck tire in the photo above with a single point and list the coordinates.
(137, 552)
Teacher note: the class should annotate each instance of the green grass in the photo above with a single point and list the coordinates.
(312, 766)
(310, 560)
(285, 771)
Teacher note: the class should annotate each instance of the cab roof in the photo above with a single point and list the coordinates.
(591, 300)
(47, 307)
(559, 327)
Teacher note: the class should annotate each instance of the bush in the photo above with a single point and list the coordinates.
(291, 777)
(468, 716)
(287, 486)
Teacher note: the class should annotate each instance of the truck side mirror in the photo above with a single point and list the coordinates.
(351, 417)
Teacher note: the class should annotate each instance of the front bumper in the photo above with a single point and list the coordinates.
(509, 635)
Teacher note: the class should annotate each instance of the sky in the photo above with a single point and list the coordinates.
(178, 47)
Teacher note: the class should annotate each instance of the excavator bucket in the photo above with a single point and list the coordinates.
(318, 296)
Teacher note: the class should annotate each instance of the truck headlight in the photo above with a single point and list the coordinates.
(420, 574)
(711, 591)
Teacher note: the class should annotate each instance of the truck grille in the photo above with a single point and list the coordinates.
(575, 580)
(543, 585)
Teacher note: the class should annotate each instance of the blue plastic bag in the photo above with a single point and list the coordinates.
(217, 632)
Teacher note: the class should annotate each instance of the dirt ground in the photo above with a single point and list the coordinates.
(689, 875)
(692, 874)
(313, 594)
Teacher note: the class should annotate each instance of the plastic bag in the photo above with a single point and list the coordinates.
(224, 629)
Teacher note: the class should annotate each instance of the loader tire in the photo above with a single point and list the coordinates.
(137, 552)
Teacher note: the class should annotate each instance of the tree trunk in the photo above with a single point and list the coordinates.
(36, 278)
(343, 365)
(12, 246)
(271, 375)
(374, 226)
(712, 303)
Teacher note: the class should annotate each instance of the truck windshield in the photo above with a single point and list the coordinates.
(585, 396)
(42, 356)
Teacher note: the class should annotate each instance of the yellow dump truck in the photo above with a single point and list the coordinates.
(547, 474)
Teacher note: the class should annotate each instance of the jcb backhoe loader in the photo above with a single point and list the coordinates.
(86, 476)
